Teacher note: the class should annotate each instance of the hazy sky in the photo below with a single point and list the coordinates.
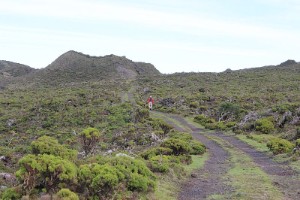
(174, 35)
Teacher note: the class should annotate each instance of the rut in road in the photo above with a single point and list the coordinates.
(283, 176)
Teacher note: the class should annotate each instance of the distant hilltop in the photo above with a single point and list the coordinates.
(77, 67)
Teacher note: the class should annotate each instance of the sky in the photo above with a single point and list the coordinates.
(173, 35)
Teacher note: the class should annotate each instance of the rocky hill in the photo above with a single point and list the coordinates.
(75, 67)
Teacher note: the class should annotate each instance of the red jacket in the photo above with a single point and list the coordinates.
(150, 100)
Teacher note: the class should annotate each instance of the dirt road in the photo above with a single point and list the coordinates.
(213, 180)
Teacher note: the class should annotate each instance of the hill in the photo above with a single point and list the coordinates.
(10, 71)
(74, 67)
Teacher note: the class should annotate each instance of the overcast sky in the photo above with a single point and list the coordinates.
(174, 35)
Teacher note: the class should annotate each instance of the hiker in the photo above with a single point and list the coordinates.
(150, 102)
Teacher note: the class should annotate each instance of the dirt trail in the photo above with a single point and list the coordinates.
(284, 177)
(210, 180)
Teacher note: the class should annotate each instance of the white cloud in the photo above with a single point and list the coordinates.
(99, 11)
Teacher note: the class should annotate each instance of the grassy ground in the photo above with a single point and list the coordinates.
(257, 141)
(248, 180)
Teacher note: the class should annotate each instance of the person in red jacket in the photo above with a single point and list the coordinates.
(150, 102)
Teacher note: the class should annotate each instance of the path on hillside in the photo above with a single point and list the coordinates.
(210, 180)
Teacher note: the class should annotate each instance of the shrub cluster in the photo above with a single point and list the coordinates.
(278, 146)
(53, 168)
(265, 125)
(174, 150)
(210, 123)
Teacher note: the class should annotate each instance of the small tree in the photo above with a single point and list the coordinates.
(99, 180)
(89, 138)
(227, 109)
(45, 170)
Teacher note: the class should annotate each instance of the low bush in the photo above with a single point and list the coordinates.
(11, 194)
(298, 143)
(265, 125)
(159, 163)
(197, 148)
(50, 146)
(66, 194)
(278, 146)
(203, 120)
(178, 146)
(155, 151)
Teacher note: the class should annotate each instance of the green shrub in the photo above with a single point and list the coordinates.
(178, 146)
(44, 170)
(230, 124)
(265, 125)
(49, 145)
(106, 178)
(159, 163)
(66, 194)
(216, 126)
(129, 166)
(278, 146)
(194, 104)
(185, 159)
(137, 182)
(165, 127)
(203, 120)
(298, 142)
(221, 126)
(89, 137)
(181, 136)
(141, 114)
(11, 194)
(197, 148)
(99, 179)
(148, 154)
(211, 126)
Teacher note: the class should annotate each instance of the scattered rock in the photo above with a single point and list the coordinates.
(109, 151)
(168, 102)
(8, 177)
(3, 187)
(194, 175)
(124, 155)
(11, 122)
(146, 90)
(154, 137)
(4, 158)
(287, 116)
